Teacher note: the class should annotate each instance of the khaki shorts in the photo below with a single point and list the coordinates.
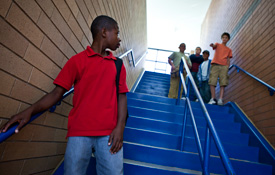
(218, 71)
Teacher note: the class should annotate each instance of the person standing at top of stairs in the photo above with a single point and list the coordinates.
(174, 60)
(219, 68)
(98, 116)
(196, 60)
(203, 77)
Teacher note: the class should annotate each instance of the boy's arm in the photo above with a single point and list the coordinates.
(44, 103)
(189, 63)
(214, 46)
(171, 63)
(228, 61)
(116, 137)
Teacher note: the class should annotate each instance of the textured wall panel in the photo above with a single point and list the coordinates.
(37, 37)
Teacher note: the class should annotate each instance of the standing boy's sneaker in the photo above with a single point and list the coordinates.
(220, 102)
(212, 102)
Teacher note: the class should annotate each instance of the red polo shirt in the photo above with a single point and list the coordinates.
(94, 110)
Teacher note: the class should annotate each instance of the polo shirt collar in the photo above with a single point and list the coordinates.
(91, 53)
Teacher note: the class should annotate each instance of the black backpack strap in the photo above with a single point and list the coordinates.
(118, 64)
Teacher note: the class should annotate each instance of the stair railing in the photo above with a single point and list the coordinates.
(210, 129)
(269, 88)
(158, 62)
(11, 130)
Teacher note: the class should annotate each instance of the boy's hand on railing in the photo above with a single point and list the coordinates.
(116, 139)
(22, 118)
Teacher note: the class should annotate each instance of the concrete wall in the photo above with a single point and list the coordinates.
(37, 37)
(251, 25)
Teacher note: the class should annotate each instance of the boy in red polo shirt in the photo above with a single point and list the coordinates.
(97, 119)
(219, 68)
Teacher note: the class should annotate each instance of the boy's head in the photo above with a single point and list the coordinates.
(225, 37)
(105, 27)
(182, 47)
(205, 54)
(198, 50)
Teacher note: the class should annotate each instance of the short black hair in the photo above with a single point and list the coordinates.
(206, 51)
(101, 22)
(182, 44)
(227, 34)
(198, 47)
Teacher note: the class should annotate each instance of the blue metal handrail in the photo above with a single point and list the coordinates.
(11, 130)
(269, 88)
(210, 129)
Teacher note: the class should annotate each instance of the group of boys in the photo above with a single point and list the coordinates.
(206, 73)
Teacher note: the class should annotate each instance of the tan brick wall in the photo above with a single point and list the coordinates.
(253, 50)
(37, 37)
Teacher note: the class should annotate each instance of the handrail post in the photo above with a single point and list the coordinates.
(207, 145)
(184, 117)
(271, 92)
(133, 58)
(180, 70)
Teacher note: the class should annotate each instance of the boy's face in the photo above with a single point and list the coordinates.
(112, 37)
(205, 56)
(198, 51)
(225, 39)
(182, 48)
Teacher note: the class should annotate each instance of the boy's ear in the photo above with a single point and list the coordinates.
(103, 32)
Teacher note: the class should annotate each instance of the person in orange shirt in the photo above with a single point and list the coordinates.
(219, 68)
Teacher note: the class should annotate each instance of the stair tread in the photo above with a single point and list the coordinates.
(161, 167)
(191, 160)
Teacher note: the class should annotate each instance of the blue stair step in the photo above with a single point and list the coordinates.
(171, 117)
(146, 97)
(173, 141)
(151, 87)
(151, 84)
(173, 128)
(142, 168)
(168, 113)
(166, 100)
(155, 74)
(155, 81)
(187, 160)
(136, 168)
(171, 107)
(163, 94)
(157, 78)
(220, 125)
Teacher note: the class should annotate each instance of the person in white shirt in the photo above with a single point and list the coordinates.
(203, 77)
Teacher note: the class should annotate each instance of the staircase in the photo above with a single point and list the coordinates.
(152, 136)
(154, 84)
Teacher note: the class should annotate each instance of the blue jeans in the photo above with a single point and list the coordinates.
(205, 91)
(79, 151)
(193, 95)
